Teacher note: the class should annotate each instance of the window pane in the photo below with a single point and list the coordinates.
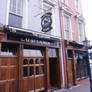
(25, 71)
(25, 62)
(31, 71)
(31, 61)
(37, 61)
(66, 26)
(30, 52)
(37, 70)
(52, 52)
(15, 20)
(70, 54)
(42, 61)
(8, 49)
(42, 70)
(66, 23)
(20, 7)
(13, 6)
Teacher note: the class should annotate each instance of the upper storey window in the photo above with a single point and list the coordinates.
(77, 6)
(65, 1)
(67, 27)
(16, 13)
(80, 31)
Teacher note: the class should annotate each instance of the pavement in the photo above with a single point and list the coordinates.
(83, 86)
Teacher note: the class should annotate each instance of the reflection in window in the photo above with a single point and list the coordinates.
(31, 52)
(31, 61)
(31, 71)
(70, 54)
(8, 49)
(42, 70)
(52, 52)
(25, 71)
(25, 62)
(42, 61)
(37, 61)
(37, 70)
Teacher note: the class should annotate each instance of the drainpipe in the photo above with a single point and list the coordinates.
(63, 62)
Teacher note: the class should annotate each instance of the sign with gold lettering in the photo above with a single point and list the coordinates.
(46, 22)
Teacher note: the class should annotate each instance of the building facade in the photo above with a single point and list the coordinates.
(30, 46)
(41, 45)
(73, 35)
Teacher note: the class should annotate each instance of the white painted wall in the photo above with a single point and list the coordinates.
(32, 13)
(34, 17)
(3, 11)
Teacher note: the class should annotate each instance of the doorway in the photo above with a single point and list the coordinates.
(33, 74)
(54, 74)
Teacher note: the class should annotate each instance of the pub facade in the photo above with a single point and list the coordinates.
(28, 62)
(30, 46)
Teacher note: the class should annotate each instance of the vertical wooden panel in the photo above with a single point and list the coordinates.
(74, 68)
(0, 48)
(59, 67)
(70, 72)
(20, 57)
(47, 69)
(8, 74)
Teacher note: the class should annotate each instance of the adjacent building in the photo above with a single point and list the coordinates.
(73, 35)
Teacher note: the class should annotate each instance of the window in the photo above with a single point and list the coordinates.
(69, 53)
(16, 13)
(25, 71)
(77, 5)
(52, 52)
(80, 31)
(65, 1)
(31, 71)
(9, 49)
(25, 62)
(37, 70)
(66, 27)
(32, 52)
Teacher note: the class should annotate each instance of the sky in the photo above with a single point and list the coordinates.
(87, 12)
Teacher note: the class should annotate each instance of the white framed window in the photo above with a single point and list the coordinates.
(77, 5)
(16, 13)
(67, 27)
(16, 7)
(80, 31)
(65, 1)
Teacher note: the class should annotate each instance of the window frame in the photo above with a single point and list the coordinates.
(65, 2)
(16, 12)
(77, 5)
(65, 15)
(80, 36)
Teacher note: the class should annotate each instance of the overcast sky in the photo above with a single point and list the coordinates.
(87, 12)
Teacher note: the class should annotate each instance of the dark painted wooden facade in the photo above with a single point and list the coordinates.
(76, 62)
(28, 63)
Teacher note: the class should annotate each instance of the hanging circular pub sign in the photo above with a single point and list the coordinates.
(46, 22)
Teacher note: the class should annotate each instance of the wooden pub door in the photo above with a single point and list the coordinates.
(70, 68)
(33, 74)
(8, 74)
